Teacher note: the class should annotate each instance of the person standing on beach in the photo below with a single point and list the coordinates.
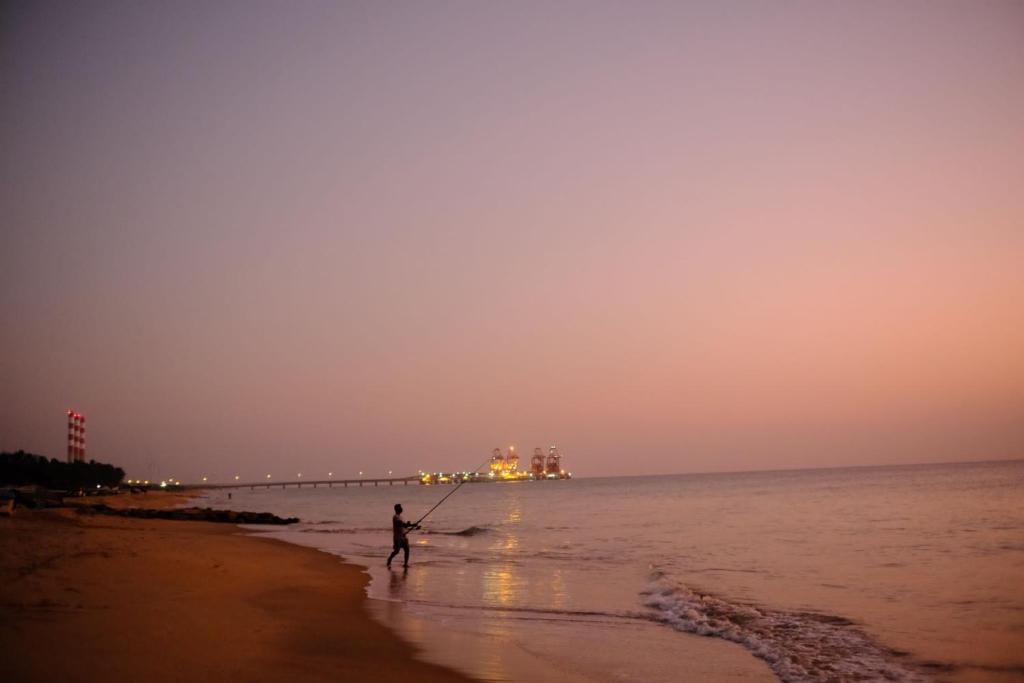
(400, 528)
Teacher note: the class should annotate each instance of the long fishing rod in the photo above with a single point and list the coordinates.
(464, 480)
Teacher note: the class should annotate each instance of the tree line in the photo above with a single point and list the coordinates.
(21, 468)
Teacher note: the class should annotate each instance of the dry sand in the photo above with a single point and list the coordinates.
(101, 598)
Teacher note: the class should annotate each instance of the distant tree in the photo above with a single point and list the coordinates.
(21, 468)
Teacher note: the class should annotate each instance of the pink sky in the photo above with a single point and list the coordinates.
(280, 237)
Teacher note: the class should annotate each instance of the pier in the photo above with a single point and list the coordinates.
(329, 483)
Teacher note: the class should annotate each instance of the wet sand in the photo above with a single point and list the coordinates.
(102, 598)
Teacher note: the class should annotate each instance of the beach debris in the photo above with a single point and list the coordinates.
(33, 497)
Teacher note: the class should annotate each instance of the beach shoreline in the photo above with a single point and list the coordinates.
(796, 575)
(165, 600)
(97, 597)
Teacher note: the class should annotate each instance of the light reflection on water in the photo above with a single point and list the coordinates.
(498, 586)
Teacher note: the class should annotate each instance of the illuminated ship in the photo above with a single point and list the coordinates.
(504, 467)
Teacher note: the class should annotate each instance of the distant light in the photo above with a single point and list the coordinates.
(97, 485)
(236, 477)
(299, 475)
(204, 478)
(330, 474)
(268, 476)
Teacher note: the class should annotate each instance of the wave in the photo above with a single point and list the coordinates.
(800, 647)
(540, 613)
(345, 531)
(468, 531)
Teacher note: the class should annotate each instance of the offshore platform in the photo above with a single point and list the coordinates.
(505, 467)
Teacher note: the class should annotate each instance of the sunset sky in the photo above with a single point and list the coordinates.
(281, 237)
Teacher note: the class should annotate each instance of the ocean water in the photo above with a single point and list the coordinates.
(886, 573)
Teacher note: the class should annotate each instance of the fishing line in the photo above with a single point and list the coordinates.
(464, 480)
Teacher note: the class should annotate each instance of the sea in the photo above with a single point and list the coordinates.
(908, 573)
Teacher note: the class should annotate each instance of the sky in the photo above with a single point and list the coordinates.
(265, 237)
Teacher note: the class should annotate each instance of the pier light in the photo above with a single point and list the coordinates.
(146, 482)
(360, 473)
(204, 478)
(268, 476)
(299, 475)
(236, 477)
(389, 473)
(330, 474)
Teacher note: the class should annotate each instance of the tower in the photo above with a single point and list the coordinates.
(497, 461)
(76, 436)
(512, 460)
(537, 463)
(554, 464)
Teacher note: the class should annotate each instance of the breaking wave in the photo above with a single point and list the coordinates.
(468, 531)
(800, 647)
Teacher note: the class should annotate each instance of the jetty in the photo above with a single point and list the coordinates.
(329, 483)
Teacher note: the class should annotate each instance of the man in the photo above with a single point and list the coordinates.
(400, 528)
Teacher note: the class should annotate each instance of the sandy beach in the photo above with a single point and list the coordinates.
(91, 597)
(107, 598)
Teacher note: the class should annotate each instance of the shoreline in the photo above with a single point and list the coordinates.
(495, 646)
(136, 599)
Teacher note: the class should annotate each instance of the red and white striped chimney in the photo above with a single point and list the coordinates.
(76, 436)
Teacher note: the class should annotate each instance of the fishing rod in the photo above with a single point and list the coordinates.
(464, 480)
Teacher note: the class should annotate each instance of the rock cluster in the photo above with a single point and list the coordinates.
(191, 514)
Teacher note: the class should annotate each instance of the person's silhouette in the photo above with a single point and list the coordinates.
(400, 528)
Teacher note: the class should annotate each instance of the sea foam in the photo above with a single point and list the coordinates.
(800, 647)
